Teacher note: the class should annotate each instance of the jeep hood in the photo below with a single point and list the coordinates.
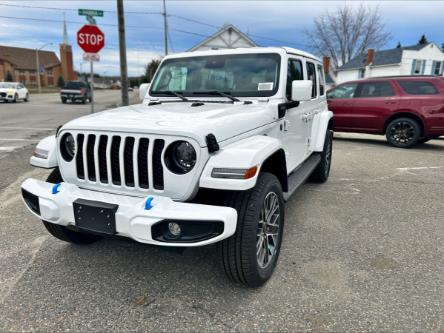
(180, 119)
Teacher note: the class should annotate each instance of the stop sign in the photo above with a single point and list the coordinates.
(90, 38)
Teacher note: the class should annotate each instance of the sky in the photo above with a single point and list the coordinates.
(269, 23)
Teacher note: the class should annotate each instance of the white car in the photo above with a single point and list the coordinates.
(219, 143)
(13, 91)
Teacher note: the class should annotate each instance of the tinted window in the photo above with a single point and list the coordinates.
(321, 80)
(311, 75)
(74, 85)
(375, 89)
(294, 73)
(418, 87)
(344, 91)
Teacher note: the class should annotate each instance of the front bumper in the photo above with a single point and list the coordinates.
(7, 98)
(132, 218)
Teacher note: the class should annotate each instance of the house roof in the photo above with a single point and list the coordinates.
(329, 79)
(225, 28)
(26, 58)
(383, 57)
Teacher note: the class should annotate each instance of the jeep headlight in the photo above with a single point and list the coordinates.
(180, 157)
(67, 147)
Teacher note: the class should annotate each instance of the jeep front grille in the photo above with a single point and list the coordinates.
(124, 161)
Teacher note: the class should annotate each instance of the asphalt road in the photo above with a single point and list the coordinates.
(362, 252)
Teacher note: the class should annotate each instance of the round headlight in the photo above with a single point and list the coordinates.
(180, 157)
(68, 147)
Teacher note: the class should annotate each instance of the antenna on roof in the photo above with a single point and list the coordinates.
(65, 32)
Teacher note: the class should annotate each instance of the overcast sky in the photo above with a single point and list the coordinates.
(281, 20)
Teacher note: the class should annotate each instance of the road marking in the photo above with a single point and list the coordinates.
(27, 128)
(5, 139)
(419, 168)
(8, 149)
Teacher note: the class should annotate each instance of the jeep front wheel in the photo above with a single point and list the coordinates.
(62, 232)
(250, 255)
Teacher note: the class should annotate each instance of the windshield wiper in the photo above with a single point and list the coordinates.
(175, 93)
(217, 92)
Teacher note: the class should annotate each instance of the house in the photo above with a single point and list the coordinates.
(420, 59)
(228, 37)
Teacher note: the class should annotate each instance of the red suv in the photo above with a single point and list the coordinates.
(407, 109)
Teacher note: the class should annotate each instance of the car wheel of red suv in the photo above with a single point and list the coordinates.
(403, 132)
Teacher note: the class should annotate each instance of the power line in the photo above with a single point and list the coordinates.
(102, 24)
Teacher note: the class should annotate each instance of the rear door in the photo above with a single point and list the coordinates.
(340, 102)
(374, 102)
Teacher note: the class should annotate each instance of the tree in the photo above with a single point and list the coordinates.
(423, 40)
(398, 46)
(150, 69)
(60, 82)
(347, 32)
(9, 77)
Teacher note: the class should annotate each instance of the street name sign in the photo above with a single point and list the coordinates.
(91, 12)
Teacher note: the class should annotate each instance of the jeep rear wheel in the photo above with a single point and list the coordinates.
(62, 232)
(249, 256)
(403, 132)
(322, 171)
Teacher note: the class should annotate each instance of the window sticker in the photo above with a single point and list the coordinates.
(265, 86)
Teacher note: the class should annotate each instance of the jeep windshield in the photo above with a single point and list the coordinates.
(234, 75)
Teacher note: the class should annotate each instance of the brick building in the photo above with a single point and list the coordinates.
(21, 63)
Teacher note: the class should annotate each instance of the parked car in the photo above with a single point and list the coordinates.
(407, 109)
(13, 91)
(76, 91)
(220, 142)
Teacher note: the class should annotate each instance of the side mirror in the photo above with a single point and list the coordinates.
(301, 90)
(143, 89)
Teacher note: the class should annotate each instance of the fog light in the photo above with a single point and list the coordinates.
(174, 229)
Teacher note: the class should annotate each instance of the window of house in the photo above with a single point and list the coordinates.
(311, 75)
(418, 87)
(374, 89)
(362, 73)
(343, 91)
(437, 69)
(294, 73)
(321, 80)
(418, 67)
(49, 73)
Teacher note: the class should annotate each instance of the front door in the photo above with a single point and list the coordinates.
(341, 103)
(294, 125)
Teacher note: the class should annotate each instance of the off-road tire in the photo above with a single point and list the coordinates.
(238, 254)
(413, 132)
(62, 232)
(64, 100)
(83, 100)
(26, 98)
(322, 171)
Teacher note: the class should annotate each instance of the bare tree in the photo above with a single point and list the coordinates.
(347, 32)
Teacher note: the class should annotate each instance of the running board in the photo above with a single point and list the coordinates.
(298, 177)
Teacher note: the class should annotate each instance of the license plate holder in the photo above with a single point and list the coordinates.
(95, 216)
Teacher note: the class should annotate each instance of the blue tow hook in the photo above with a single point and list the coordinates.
(55, 188)
(148, 203)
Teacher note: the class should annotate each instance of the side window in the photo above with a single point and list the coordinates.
(321, 81)
(418, 87)
(311, 75)
(345, 91)
(375, 89)
(294, 73)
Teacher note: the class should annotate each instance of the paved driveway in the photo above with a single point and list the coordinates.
(362, 252)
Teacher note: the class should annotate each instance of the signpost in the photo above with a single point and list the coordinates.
(91, 39)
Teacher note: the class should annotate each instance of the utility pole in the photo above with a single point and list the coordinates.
(37, 66)
(165, 28)
(122, 49)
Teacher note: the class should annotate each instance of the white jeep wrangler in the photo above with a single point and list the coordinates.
(221, 140)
